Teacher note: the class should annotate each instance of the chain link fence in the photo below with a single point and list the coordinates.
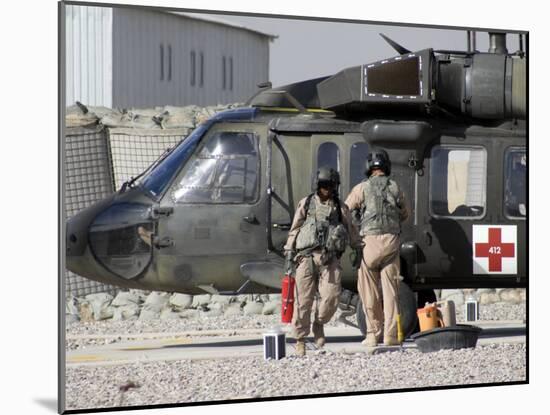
(133, 150)
(88, 179)
(98, 161)
(104, 148)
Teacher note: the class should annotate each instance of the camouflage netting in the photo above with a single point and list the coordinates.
(105, 147)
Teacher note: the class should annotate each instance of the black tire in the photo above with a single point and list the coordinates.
(425, 296)
(407, 308)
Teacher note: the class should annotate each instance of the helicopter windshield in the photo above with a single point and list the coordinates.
(158, 179)
(225, 170)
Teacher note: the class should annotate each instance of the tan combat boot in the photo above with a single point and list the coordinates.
(318, 334)
(391, 342)
(300, 347)
(370, 340)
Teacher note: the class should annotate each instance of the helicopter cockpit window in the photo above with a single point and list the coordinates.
(225, 170)
(458, 177)
(358, 154)
(515, 183)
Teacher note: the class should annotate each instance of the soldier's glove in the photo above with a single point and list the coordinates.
(289, 263)
(326, 257)
(356, 256)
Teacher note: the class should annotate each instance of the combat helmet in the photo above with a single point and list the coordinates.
(327, 177)
(378, 158)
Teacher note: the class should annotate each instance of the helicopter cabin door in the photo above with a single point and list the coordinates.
(288, 171)
(294, 162)
(218, 216)
(466, 235)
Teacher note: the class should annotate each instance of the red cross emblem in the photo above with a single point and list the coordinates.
(495, 250)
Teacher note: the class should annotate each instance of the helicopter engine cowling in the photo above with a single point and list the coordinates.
(483, 85)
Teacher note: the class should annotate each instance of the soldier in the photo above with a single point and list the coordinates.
(382, 208)
(317, 238)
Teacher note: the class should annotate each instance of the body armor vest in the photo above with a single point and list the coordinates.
(380, 213)
(322, 228)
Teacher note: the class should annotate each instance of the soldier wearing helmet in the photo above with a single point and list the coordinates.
(318, 236)
(382, 207)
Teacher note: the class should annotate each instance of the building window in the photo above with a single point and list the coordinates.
(201, 70)
(225, 171)
(458, 177)
(161, 62)
(357, 156)
(224, 74)
(231, 73)
(193, 66)
(169, 62)
(515, 182)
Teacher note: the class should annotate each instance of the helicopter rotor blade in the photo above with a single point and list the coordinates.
(400, 49)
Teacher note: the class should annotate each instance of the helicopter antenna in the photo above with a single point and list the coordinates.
(400, 49)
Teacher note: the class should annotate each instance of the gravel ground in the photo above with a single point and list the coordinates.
(493, 312)
(496, 312)
(133, 328)
(252, 377)
(204, 322)
(318, 372)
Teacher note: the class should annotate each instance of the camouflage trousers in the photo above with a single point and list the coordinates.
(313, 277)
(377, 284)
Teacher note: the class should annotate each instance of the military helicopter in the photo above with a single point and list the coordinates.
(213, 214)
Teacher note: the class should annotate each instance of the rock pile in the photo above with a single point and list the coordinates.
(143, 305)
(486, 295)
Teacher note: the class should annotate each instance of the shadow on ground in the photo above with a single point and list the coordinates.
(47, 403)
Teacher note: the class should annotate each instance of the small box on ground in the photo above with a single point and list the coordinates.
(274, 344)
(471, 310)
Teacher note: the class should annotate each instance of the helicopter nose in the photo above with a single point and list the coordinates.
(77, 252)
(76, 239)
(111, 241)
(76, 244)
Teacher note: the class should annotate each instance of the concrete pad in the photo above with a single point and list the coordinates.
(248, 343)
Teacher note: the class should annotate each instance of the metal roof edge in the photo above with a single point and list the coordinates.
(221, 22)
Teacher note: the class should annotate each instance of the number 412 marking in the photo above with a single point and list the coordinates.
(494, 250)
